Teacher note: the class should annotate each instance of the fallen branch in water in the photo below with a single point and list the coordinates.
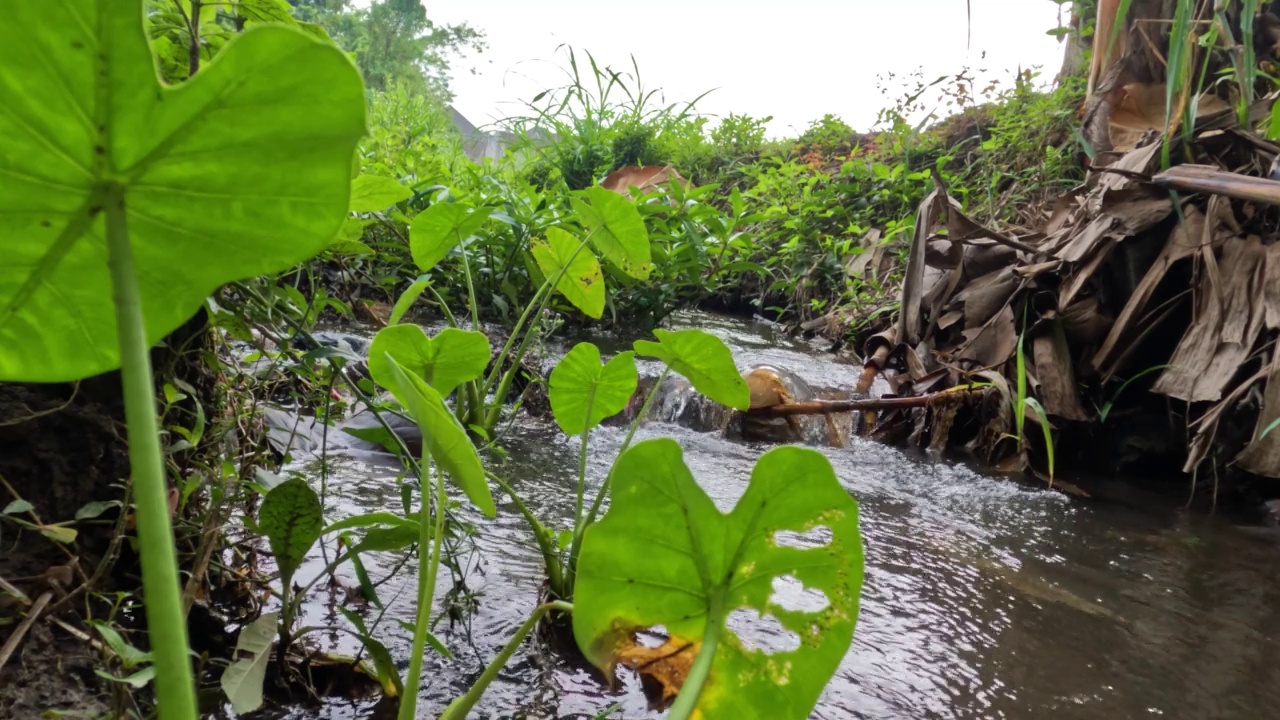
(827, 407)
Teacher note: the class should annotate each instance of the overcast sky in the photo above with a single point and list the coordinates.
(795, 60)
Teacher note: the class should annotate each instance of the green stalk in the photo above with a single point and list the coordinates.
(166, 626)
(687, 700)
(459, 708)
(546, 544)
(444, 307)
(491, 421)
(428, 565)
(548, 286)
(471, 291)
(582, 461)
(515, 331)
(578, 531)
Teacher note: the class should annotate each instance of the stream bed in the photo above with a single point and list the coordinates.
(983, 598)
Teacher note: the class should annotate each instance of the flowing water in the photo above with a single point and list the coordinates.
(983, 598)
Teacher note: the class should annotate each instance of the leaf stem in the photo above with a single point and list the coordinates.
(603, 490)
(428, 565)
(687, 700)
(546, 544)
(166, 625)
(582, 459)
(459, 708)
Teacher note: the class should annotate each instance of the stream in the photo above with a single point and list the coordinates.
(983, 597)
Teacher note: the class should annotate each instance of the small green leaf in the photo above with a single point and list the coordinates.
(432, 640)
(17, 506)
(59, 533)
(137, 680)
(368, 590)
(564, 539)
(582, 283)
(264, 11)
(130, 656)
(370, 520)
(389, 538)
(408, 298)
(616, 229)
(383, 663)
(291, 519)
(579, 380)
(704, 360)
(442, 436)
(439, 229)
(1046, 429)
(243, 170)
(93, 509)
(242, 680)
(446, 361)
(1270, 426)
(665, 555)
(377, 435)
(374, 193)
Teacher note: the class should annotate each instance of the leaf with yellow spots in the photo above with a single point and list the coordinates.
(581, 281)
(759, 605)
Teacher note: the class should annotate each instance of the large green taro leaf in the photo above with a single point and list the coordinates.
(582, 282)
(665, 556)
(616, 229)
(583, 391)
(243, 170)
(704, 360)
(442, 436)
(446, 361)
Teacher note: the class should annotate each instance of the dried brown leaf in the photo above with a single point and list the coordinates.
(1058, 389)
(645, 178)
(1262, 455)
(1184, 242)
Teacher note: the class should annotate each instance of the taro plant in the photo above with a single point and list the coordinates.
(665, 559)
(583, 392)
(559, 258)
(127, 202)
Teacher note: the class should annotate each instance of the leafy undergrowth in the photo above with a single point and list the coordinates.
(814, 230)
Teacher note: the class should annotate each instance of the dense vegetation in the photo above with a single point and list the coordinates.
(272, 227)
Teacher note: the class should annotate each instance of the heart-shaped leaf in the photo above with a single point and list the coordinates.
(241, 171)
(439, 229)
(704, 360)
(579, 382)
(446, 361)
(372, 193)
(582, 283)
(616, 229)
(442, 436)
(788, 557)
(291, 519)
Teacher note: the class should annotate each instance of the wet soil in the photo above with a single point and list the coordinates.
(60, 448)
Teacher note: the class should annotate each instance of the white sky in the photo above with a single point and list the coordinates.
(794, 60)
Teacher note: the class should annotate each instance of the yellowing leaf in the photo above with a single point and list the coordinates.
(582, 283)
(665, 555)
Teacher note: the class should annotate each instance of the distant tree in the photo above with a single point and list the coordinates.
(393, 41)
